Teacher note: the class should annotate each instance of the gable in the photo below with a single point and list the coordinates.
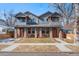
(49, 14)
(29, 13)
(46, 14)
(20, 14)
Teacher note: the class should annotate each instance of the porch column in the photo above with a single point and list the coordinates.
(25, 32)
(50, 29)
(60, 35)
(15, 33)
(58, 30)
(40, 32)
(35, 32)
(18, 32)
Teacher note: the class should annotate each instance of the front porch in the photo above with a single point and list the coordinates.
(37, 32)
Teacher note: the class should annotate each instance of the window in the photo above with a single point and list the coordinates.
(28, 19)
(55, 19)
(29, 28)
(47, 19)
(29, 32)
(33, 31)
(47, 32)
(22, 19)
(43, 31)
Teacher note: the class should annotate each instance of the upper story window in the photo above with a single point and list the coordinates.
(55, 19)
(21, 19)
(49, 18)
(28, 19)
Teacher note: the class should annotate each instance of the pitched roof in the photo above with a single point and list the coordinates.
(45, 14)
(29, 13)
(20, 14)
(56, 14)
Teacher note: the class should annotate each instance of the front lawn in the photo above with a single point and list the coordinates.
(73, 48)
(36, 48)
(69, 40)
(3, 46)
(36, 40)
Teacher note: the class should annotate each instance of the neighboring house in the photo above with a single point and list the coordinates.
(70, 27)
(2, 26)
(30, 25)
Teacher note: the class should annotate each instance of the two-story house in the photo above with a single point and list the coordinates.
(29, 25)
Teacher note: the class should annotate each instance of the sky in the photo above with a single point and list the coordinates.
(36, 8)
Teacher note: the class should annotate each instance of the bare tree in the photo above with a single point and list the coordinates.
(65, 9)
(69, 11)
(9, 18)
(76, 24)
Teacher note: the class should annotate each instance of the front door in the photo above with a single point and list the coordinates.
(55, 32)
(21, 32)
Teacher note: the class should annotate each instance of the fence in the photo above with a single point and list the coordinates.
(9, 35)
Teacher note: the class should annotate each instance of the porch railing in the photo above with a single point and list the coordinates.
(43, 24)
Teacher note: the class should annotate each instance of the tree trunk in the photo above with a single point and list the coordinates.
(76, 38)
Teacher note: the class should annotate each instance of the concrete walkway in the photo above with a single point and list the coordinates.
(10, 48)
(61, 41)
(63, 48)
